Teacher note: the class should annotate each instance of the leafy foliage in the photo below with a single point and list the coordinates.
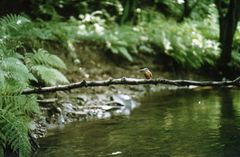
(93, 21)
(42, 57)
(14, 121)
(15, 108)
(11, 24)
(17, 70)
(122, 40)
(48, 75)
(44, 67)
(183, 42)
(191, 44)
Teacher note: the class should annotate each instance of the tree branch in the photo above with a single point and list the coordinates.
(131, 81)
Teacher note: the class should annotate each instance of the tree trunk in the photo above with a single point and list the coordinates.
(187, 9)
(227, 24)
(129, 13)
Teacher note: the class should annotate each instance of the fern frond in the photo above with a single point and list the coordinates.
(15, 129)
(42, 57)
(2, 78)
(48, 75)
(15, 109)
(28, 104)
(12, 22)
(14, 122)
(13, 68)
(8, 48)
(11, 87)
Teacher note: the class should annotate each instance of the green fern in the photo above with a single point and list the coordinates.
(13, 20)
(16, 73)
(45, 67)
(16, 69)
(10, 25)
(48, 75)
(14, 121)
(42, 57)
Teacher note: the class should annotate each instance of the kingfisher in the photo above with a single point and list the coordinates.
(147, 73)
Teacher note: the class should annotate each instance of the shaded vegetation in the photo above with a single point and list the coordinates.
(20, 70)
(145, 28)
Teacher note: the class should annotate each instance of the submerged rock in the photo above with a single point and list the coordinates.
(124, 100)
(110, 108)
(61, 119)
(67, 107)
(82, 98)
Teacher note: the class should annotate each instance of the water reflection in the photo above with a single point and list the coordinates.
(181, 123)
(229, 130)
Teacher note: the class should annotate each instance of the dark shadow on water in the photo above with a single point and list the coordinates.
(229, 130)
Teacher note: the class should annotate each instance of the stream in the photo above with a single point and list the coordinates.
(168, 123)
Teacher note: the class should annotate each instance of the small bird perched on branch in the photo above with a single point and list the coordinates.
(147, 73)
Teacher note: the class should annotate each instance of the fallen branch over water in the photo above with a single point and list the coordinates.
(132, 81)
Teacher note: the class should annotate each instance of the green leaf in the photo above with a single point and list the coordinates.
(49, 75)
(125, 53)
(42, 57)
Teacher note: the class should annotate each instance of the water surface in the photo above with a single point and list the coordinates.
(174, 123)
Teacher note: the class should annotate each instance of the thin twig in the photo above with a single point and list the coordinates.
(131, 81)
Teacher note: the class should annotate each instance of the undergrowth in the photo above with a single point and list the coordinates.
(183, 42)
(191, 44)
(20, 69)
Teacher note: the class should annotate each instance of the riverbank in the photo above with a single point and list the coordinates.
(84, 104)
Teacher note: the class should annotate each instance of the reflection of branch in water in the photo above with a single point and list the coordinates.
(132, 81)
